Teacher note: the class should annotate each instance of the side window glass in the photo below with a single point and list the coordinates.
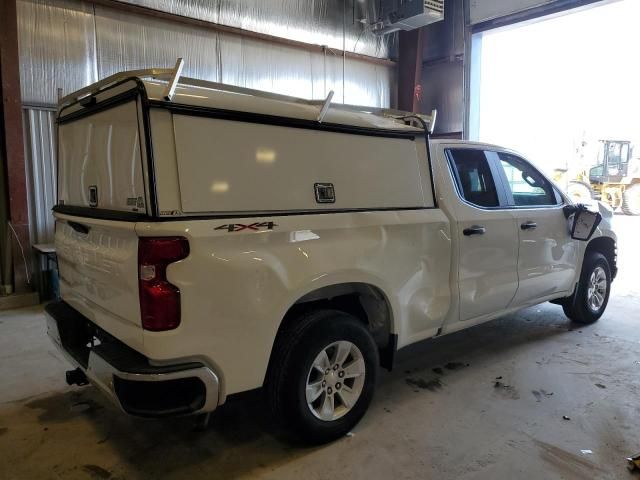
(528, 186)
(473, 176)
(624, 155)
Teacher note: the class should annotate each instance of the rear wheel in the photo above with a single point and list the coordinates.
(592, 294)
(631, 200)
(323, 374)
(579, 192)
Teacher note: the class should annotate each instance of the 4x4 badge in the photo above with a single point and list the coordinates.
(238, 227)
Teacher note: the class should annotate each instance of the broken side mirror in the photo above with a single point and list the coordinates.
(582, 221)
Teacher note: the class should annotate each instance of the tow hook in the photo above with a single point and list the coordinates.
(76, 377)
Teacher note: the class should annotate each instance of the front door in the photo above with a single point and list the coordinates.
(487, 236)
(547, 256)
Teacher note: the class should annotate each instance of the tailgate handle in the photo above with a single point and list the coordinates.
(78, 227)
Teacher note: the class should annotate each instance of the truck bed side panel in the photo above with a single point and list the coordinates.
(244, 274)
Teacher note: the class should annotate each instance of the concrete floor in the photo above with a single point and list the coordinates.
(452, 423)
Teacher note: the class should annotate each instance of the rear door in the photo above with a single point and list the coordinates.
(101, 192)
(547, 256)
(487, 236)
(100, 160)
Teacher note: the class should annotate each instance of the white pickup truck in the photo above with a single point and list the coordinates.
(213, 240)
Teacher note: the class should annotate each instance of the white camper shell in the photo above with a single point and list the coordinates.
(215, 149)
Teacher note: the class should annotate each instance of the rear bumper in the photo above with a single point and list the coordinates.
(125, 375)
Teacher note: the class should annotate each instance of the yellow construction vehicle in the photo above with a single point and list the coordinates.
(615, 179)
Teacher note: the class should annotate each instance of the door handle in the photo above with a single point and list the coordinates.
(474, 230)
(528, 225)
(78, 227)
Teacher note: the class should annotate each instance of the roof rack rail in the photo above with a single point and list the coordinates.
(173, 75)
(110, 80)
(166, 74)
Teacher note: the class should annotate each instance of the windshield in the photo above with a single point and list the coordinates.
(616, 154)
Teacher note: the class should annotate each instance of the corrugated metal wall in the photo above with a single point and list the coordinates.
(313, 21)
(68, 44)
(126, 41)
(39, 129)
(57, 48)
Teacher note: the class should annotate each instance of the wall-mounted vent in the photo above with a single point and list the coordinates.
(408, 15)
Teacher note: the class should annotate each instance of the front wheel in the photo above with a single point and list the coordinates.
(592, 293)
(323, 375)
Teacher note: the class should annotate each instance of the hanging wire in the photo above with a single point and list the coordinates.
(24, 259)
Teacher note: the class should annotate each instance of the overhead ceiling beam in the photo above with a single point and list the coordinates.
(240, 32)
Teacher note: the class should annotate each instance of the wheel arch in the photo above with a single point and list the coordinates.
(607, 247)
(365, 301)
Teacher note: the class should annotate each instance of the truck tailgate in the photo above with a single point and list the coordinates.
(98, 264)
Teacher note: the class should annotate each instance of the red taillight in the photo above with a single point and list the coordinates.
(159, 299)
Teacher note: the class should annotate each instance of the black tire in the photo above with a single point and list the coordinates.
(631, 200)
(293, 356)
(578, 307)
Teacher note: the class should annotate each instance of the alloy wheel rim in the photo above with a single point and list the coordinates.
(335, 380)
(597, 289)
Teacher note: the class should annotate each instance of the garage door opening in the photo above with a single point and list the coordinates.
(553, 89)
